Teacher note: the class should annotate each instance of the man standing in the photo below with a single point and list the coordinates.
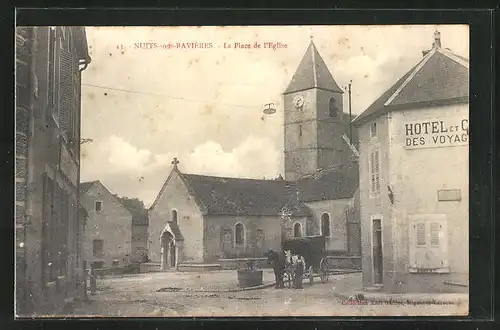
(93, 281)
(298, 266)
(278, 262)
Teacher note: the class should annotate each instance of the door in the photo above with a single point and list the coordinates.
(377, 251)
(171, 251)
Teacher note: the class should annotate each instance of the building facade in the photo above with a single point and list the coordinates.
(108, 234)
(49, 220)
(414, 179)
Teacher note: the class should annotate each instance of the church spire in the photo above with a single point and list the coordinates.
(312, 72)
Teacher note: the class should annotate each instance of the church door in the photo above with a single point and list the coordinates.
(167, 240)
(172, 254)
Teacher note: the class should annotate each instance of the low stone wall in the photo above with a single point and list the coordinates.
(240, 263)
(344, 262)
(150, 267)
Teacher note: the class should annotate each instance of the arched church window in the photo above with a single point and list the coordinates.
(239, 233)
(174, 216)
(325, 225)
(333, 107)
(297, 230)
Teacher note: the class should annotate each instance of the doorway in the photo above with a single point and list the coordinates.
(171, 252)
(377, 254)
(168, 256)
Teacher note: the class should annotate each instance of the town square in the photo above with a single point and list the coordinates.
(242, 171)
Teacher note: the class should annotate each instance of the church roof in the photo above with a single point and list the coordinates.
(312, 72)
(440, 78)
(239, 196)
(330, 184)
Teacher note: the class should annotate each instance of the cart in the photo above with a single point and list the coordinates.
(312, 248)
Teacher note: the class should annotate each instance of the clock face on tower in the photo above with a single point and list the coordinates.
(298, 101)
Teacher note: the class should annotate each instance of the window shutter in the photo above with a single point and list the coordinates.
(418, 243)
(66, 91)
(377, 171)
(420, 231)
(372, 172)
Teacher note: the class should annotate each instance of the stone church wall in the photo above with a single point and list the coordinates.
(215, 225)
(189, 220)
(336, 209)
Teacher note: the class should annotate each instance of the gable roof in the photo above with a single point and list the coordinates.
(440, 78)
(85, 186)
(241, 196)
(312, 72)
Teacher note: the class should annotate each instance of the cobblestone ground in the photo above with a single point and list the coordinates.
(137, 297)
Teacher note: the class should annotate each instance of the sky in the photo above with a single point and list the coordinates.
(142, 107)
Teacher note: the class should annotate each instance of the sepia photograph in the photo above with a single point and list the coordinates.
(221, 171)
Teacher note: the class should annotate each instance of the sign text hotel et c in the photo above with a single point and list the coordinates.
(431, 134)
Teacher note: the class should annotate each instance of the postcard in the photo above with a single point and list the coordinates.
(201, 171)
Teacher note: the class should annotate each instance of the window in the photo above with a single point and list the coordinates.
(259, 238)
(375, 172)
(239, 233)
(373, 129)
(174, 216)
(98, 248)
(297, 230)
(428, 243)
(98, 206)
(333, 108)
(325, 225)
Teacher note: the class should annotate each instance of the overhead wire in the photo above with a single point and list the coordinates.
(169, 96)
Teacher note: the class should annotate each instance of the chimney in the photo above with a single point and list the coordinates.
(437, 39)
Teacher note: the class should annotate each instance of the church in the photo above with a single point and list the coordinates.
(201, 219)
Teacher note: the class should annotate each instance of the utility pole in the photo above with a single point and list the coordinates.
(350, 110)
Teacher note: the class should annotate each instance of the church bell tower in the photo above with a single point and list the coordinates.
(314, 122)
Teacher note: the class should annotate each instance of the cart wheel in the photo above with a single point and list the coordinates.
(311, 275)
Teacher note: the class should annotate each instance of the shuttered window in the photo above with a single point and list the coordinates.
(374, 172)
(64, 84)
(53, 76)
(428, 243)
(66, 91)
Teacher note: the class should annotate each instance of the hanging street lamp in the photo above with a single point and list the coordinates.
(269, 110)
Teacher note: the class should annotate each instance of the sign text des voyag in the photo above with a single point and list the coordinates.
(438, 133)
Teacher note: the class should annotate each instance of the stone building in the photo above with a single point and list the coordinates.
(197, 218)
(108, 234)
(414, 187)
(49, 220)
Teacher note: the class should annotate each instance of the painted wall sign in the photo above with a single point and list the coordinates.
(439, 133)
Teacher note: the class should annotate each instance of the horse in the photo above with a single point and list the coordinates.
(277, 259)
